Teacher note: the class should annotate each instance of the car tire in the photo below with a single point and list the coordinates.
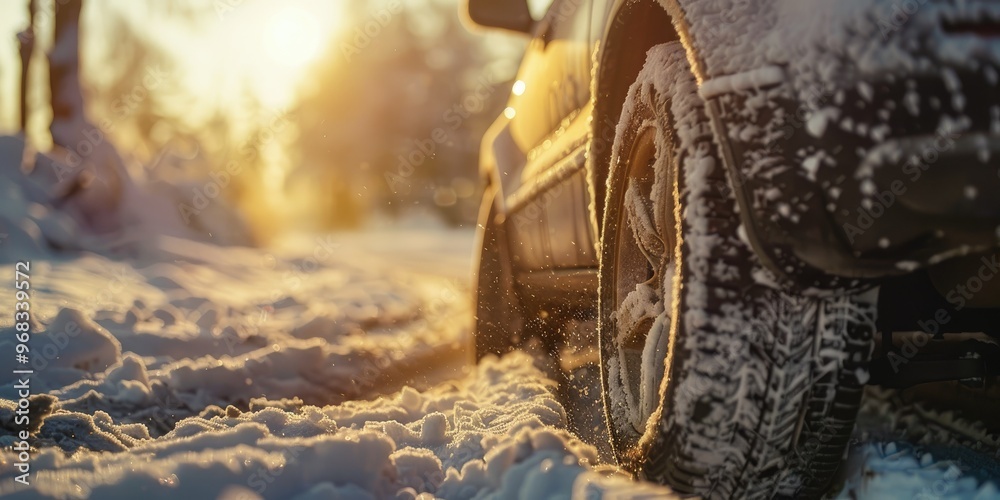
(497, 310)
(713, 382)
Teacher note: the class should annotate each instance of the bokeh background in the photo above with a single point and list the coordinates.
(340, 113)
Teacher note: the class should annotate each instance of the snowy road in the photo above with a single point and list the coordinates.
(337, 367)
(438, 258)
(191, 370)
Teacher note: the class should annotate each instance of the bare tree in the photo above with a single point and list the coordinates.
(68, 118)
(26, 44)
(91, 180)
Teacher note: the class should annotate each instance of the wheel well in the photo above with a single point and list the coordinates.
(637, 26)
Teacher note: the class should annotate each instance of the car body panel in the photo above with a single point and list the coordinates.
(546, 121)
(542, 155)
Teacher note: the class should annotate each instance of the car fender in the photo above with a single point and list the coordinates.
(622, 31)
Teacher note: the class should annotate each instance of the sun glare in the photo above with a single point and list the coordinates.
(269, 47)
(292, 37)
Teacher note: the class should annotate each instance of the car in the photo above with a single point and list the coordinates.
(765, 206)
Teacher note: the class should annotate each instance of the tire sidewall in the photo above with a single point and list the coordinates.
(646, 106)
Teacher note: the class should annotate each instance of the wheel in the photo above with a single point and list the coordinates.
(498, 319)
(713, 383)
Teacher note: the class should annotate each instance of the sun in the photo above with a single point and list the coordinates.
(268, 47)
(292, 37)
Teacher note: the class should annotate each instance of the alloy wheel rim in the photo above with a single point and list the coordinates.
(643, 270)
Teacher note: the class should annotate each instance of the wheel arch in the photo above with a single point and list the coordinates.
(633, 28)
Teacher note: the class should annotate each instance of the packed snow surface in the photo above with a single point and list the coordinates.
(238, 373)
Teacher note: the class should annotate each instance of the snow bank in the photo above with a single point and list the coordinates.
(910, 450)
(900, 470)
(48, 207)
(493, 435)
(185, 326)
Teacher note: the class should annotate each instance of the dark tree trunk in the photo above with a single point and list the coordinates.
(92, 179)
(26, 45)
(68, 118)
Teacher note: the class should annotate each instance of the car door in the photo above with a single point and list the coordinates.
(548, 121)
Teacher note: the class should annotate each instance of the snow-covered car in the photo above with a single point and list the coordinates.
(765, 204)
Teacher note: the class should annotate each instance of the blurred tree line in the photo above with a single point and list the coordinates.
(389, 119)
(394, 116)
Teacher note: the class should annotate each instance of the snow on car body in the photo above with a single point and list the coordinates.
(833, 111)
